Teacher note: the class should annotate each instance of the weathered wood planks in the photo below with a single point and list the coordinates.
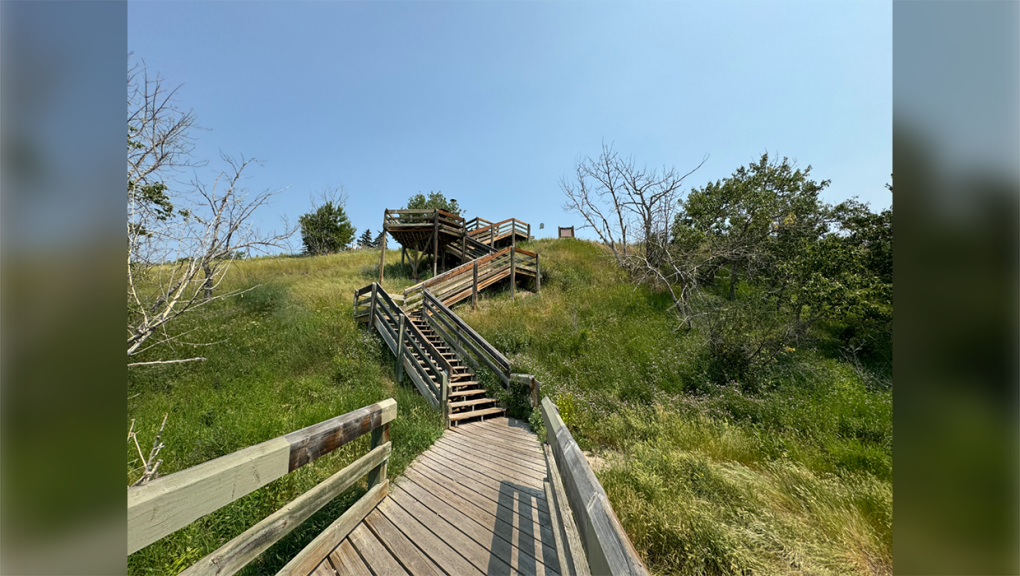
(607, 548)
(169, 503)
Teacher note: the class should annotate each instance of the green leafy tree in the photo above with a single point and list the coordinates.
(433, 200)
(327, 229)
(366, 239)
(378, 239)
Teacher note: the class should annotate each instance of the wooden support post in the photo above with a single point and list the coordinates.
(435, 243)
(382, 256)
(492, 236)
(380, 436)
(444, 392)
(513, 273)
(403, 252)
(463, 248)
(538, 275)
(400, 349)
(371, 314)
(474, 288)
(529, 232)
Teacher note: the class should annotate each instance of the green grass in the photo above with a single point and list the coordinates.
(792, 478)
(288, 355)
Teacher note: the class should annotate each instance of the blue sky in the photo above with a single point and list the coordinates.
(493, 102)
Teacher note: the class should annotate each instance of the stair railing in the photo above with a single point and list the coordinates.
(452, 278)
(469, 344)
(432, 375)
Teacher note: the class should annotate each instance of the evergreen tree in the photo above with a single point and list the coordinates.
(366, 239)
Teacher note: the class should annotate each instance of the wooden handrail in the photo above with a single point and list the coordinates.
(607, 549)
(470, 332)
(170, 503)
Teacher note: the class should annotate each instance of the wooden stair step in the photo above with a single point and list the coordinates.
(474, 402)
(472, 392)
(474, 413)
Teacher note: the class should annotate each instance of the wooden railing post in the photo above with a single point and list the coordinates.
(400, 349)
(435, 244)
(463, 248)
(371, 314)
(538, 275)
(474, 289)
(380, 436)
(445, 400)
(382, 251)
(513, 273)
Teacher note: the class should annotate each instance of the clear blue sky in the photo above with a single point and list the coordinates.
(493, 102)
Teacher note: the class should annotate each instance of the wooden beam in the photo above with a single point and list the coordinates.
(170, 503)
(236, 554)
(400, 349)
(435, 245)
(568, 542)
(380, 437)
(382, 252)
(538, 275)
(513, 274)
(607, 548)
(308, 558)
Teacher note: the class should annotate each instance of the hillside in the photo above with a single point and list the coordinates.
(791, 475)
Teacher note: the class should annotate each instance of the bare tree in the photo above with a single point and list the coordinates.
(180, 245)
(617, 199)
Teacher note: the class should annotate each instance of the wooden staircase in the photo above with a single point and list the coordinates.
(467, 396)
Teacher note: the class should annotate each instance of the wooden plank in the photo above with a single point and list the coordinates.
(437, 550)
(477, 469)
(466, 481)
(502, 469)
(312, 442)
(380, 437)
(346, 561)
(170, 503)
(325, 568)
(519, 459)
(414, 371)
(562, 562)
(413, 559)
(522, 550)
(305, 560)
(497, 450)
(476, 413)
(479, 556)
(496, 544)
(167, 504)
(522, 446)
(473, 503)
(499, 430)
(573, 559)
(608, 549)
(376, 556)
(237, 553)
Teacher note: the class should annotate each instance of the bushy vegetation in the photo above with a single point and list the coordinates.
(287, 354)
(785, 468)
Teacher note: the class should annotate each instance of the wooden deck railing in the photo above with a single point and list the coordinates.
(458, 335)
(493, 232)
(589, 537)
(170, 503)
(401, 335)
(467, 279)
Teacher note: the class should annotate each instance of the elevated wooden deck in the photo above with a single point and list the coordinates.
(474, 503)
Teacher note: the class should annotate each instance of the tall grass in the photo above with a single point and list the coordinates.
(284, 355)
(790, 476)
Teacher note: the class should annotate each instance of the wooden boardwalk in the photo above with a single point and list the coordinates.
(472, 504)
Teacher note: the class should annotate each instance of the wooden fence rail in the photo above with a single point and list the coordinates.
(593, 539)
(462, 338)
(170, 503)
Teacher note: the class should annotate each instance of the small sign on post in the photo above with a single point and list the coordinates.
(566, 232)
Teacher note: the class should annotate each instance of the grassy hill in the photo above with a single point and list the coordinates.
(791, 476)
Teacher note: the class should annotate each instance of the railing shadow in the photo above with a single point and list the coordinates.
(516, 503)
